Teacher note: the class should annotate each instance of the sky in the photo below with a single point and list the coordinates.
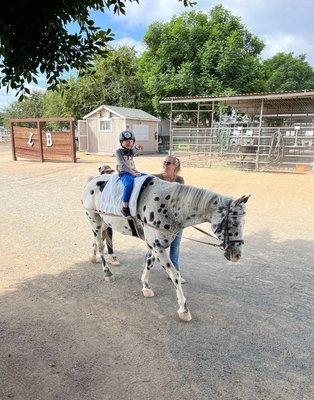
(283, 25)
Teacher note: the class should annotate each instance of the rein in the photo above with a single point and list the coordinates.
(201, 241)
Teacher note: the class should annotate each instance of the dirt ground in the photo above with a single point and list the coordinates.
(67, 334)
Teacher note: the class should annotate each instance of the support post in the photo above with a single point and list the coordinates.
(211, 134)
(40, 138)
(259, 136)
(73, 145)
(13, 141)
(171, 133)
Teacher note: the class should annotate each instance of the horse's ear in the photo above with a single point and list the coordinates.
(242, 199)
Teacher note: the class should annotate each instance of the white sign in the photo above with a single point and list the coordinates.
(49, 139)
(30, 141)
(141, 132)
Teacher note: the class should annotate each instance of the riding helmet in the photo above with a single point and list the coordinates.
(126, 135)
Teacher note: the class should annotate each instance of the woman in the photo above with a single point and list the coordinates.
(170, 173)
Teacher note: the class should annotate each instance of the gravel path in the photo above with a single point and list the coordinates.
(66, 334)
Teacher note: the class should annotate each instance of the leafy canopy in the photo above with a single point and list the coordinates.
(284, 72)
(200, 54)
(34, 35)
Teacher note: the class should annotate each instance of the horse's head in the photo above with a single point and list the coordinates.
(227, 224)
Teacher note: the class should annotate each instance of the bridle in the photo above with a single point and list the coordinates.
(224, 225)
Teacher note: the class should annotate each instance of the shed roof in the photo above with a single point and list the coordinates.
(294, 102)
(125, 112)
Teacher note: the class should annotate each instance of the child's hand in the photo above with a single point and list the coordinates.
(139, 147)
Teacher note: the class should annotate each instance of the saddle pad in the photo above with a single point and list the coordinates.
(110, 201)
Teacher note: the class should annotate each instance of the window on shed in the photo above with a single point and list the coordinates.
(105, 125)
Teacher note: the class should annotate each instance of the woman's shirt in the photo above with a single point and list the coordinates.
(178, 179)
(125, 161)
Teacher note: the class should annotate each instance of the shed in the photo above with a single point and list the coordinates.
(99, 130)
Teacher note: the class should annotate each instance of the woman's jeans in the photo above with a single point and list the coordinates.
(174, 250)
(109, 242)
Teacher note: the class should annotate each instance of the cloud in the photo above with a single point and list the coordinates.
(9, 97)
(5, 98)
(142, 14)
(287, 43)
(130, 42)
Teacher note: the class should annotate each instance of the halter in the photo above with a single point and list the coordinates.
(224, 224)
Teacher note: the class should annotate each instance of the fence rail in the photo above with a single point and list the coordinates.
(252, 148)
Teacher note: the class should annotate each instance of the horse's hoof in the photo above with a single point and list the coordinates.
(109, 278)
(148, 293)
(185, 316)
(93, 259)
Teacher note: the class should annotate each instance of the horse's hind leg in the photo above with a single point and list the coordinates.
(149, 263)
(96, 222)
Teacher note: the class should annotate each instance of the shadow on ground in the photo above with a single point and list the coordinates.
(73, 336)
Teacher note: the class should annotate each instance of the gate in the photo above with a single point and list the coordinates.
(262, 148)
(43, 139)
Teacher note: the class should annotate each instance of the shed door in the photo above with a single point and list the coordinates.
(92, 133)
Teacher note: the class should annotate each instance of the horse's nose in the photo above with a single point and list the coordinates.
(235, 257)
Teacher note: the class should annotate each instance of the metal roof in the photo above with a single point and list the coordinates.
(294, 102)
(124, 112)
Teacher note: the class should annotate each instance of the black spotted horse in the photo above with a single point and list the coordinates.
(163, 209)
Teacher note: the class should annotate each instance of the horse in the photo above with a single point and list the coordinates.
(164, 208)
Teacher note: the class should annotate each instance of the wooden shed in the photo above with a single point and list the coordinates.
(99, 130)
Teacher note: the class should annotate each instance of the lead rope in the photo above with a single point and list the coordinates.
(151, 226)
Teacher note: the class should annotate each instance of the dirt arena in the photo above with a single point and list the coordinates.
(66, 334)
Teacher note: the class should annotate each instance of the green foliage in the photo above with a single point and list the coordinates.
(34, 36)
(112, 80)
(284, 72)
(200, 54)
(30, 107)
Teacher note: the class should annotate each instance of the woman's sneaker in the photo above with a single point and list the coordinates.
(112, 260)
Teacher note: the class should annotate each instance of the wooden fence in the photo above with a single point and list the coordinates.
(43, 143)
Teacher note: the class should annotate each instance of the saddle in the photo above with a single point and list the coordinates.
(111, 200)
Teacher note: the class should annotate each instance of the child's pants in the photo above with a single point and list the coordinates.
(128, 181)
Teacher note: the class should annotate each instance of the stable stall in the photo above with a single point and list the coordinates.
(261, 131)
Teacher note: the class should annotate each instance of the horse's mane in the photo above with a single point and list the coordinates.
(186, 196)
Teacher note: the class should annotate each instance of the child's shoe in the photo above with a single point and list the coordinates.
(126, 211)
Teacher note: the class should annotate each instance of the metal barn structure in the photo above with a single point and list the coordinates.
(260, 131)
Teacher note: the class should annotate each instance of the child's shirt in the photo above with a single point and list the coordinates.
(125, 161)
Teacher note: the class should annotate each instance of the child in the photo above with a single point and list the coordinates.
(126, 166)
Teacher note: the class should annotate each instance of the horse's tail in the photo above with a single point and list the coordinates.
(89, 178)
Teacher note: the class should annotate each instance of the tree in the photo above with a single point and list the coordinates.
(284, 72)
(34, 35)
(30, 107)
(200, 54)
(112, 80)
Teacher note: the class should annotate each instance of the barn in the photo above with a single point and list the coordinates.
(99, 130)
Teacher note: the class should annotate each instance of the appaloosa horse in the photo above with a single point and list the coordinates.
(163, 209)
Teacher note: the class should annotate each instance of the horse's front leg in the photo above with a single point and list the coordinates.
(175, 276)
(149, 263)
(96, 222)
